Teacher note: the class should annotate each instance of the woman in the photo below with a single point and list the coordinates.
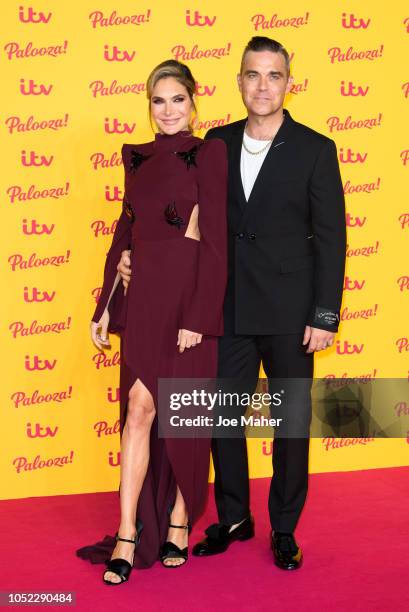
(174, 222)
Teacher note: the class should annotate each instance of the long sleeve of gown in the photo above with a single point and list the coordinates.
(203, 312)
(121, 240)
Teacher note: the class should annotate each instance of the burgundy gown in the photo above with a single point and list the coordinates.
(177, 282)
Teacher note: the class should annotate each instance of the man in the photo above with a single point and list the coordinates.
(287, 242)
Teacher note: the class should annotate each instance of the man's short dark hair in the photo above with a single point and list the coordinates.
(263, 43)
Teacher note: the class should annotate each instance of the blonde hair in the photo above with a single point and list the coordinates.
(178, 71)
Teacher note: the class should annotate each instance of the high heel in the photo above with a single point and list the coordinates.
(122, 567)
(169, 550)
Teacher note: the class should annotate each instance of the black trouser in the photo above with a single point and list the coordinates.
(282, 356)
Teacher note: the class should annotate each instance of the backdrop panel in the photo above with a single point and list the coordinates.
(73, 93)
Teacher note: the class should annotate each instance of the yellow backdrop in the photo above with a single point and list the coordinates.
(73, 93)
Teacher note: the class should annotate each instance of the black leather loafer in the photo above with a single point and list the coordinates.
(218, 538)
(287, 553)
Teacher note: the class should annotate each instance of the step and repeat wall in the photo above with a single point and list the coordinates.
(73, 91)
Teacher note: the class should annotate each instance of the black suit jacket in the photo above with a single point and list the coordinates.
(286, 244)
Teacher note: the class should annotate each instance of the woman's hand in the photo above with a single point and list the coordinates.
(187, 338)
(124, 268)
(101, 338)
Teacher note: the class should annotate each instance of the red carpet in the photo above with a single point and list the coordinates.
(354, 534)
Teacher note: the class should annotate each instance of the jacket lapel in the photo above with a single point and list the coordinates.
(269, 167)
(234, 169)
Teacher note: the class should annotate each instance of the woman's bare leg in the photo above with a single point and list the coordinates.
(178, 536)
(134, 465)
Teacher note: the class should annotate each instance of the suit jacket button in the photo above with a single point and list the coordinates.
(240, 235)
(252, 236)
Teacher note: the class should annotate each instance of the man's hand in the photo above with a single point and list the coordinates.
(187, 338)
(124, 268)
(317, 339)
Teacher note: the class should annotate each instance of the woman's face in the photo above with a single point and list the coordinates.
(171, 106)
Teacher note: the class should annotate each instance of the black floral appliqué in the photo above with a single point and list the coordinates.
(128, 210)
(189, 157)
(172, 217)
(137, 159)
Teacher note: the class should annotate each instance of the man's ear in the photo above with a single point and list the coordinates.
(290, 83)
(239, 81)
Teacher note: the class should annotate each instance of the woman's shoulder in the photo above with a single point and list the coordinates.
(133, 153)
(212, 147)
(207, 142)
(140, 146)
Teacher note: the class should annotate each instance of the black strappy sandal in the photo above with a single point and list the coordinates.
(169, 550)
(122, 567)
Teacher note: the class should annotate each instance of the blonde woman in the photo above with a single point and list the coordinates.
(174, 222)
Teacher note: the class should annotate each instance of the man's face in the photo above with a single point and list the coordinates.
(264, 82)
